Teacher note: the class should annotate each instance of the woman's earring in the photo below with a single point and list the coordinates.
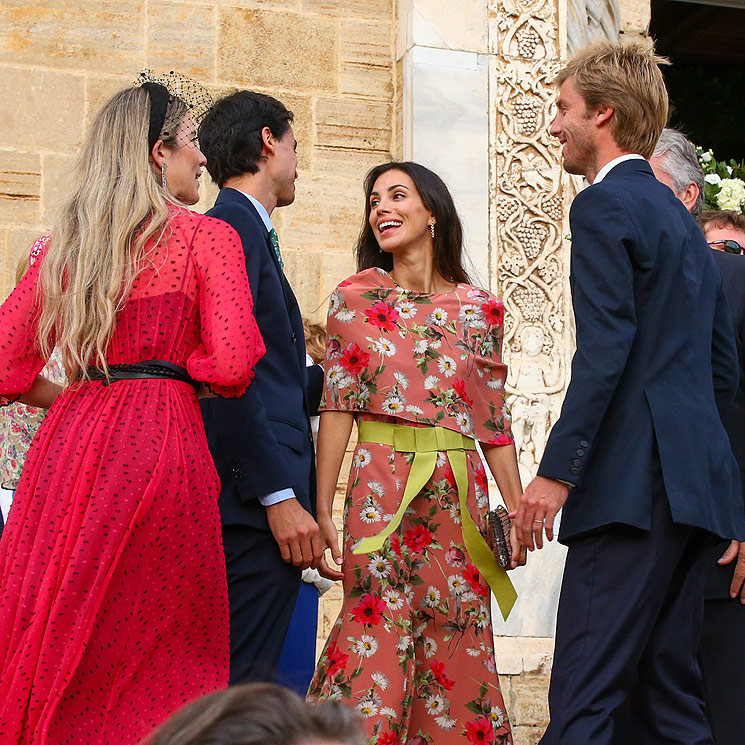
(432, 229)
(163, 176)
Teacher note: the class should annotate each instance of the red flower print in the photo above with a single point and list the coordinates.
(387, 738)
(493, 312)
(455, 557)
(354, 359)
(337, 660)
(418, 538)
(472, 576)
(344, 283)
(382, 316)
(369, 610)
(396, 544)
(438, 671)
(480, 731)
(501, 439)
(481, 480)
(459, 386)
(416, 740)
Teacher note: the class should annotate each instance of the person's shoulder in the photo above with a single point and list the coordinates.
(474, 294)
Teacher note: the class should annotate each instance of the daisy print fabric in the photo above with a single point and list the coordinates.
(412, 649)
(433, 359)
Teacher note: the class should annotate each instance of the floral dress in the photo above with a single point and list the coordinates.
(412, 649)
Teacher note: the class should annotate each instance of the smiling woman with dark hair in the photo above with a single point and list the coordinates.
(414, 357)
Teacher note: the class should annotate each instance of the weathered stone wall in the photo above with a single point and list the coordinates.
(330, 61)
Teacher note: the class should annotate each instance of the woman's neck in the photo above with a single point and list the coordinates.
(417, 273)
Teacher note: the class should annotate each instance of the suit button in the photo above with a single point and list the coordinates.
(237, 473)
(574, 471)
(580, 452)
(583, 444)
(577, 462)
(310, 437)
(294, 337)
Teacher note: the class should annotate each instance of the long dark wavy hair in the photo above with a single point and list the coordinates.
(448, 242)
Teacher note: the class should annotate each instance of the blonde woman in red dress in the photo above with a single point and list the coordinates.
(113, 600)
(414, 356)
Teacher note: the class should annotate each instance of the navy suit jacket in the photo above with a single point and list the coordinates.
(732, 268)
(262, 442)
(655, 365)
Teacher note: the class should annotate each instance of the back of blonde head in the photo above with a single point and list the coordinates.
(627, 77)
(98, 242)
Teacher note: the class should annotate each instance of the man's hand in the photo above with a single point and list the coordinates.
(519, 551)
(296, 533)
(538, 507)
(736, 550)
(330, 540)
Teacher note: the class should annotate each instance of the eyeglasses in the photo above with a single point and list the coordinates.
(730, 246)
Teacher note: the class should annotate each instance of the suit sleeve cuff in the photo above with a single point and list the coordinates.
(276, 497)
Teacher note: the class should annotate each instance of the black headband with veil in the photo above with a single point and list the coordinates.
(169, 94)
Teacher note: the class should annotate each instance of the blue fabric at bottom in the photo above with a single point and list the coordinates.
(298, 659)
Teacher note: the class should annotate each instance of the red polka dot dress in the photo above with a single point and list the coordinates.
(113, 597)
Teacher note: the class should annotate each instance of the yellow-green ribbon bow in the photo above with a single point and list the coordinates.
(425, 443)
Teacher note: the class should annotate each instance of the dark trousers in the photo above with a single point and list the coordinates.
(722, 660)
(630, 617)
(262, 590)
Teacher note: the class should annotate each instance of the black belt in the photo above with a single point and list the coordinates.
(141, 371)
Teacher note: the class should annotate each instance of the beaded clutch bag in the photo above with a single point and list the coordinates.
(498, 526)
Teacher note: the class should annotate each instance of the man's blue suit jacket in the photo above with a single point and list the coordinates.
(262, 442)
(655, 365)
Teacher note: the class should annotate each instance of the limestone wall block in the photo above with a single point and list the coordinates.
(365, 57)
(522, 735)
(182, 37)
(347, 162)
(353, 123)
(55, 183)
(20, 187)
(49, 111)
(277, 50)
(73, 34)
(100, 88)
(14, 243)
(528, 700)
(324, 216)
(367, 9)
(302, 126)
(303, 270)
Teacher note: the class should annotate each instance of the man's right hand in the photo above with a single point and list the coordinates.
(296, 533)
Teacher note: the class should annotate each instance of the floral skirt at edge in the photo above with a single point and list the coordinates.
(412, 648)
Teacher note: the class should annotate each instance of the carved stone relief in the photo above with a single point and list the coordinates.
(529, 250)
(591, 20)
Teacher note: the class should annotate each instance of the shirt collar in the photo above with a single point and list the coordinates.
(603, 172)
(263, 214)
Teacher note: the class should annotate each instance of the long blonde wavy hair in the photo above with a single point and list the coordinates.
(98, 241)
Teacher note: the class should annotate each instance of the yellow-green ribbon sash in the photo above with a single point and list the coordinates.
(425, 443)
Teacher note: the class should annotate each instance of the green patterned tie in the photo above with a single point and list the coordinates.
(275, 244)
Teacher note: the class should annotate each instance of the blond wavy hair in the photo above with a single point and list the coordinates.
(626, 76)
(98, 242)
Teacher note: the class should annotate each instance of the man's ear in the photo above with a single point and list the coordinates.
(689, 195)
(268, 140)
(157, 154)
(603, 114)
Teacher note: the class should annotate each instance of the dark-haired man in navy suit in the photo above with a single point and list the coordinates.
(639, 459)
(262, 443)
